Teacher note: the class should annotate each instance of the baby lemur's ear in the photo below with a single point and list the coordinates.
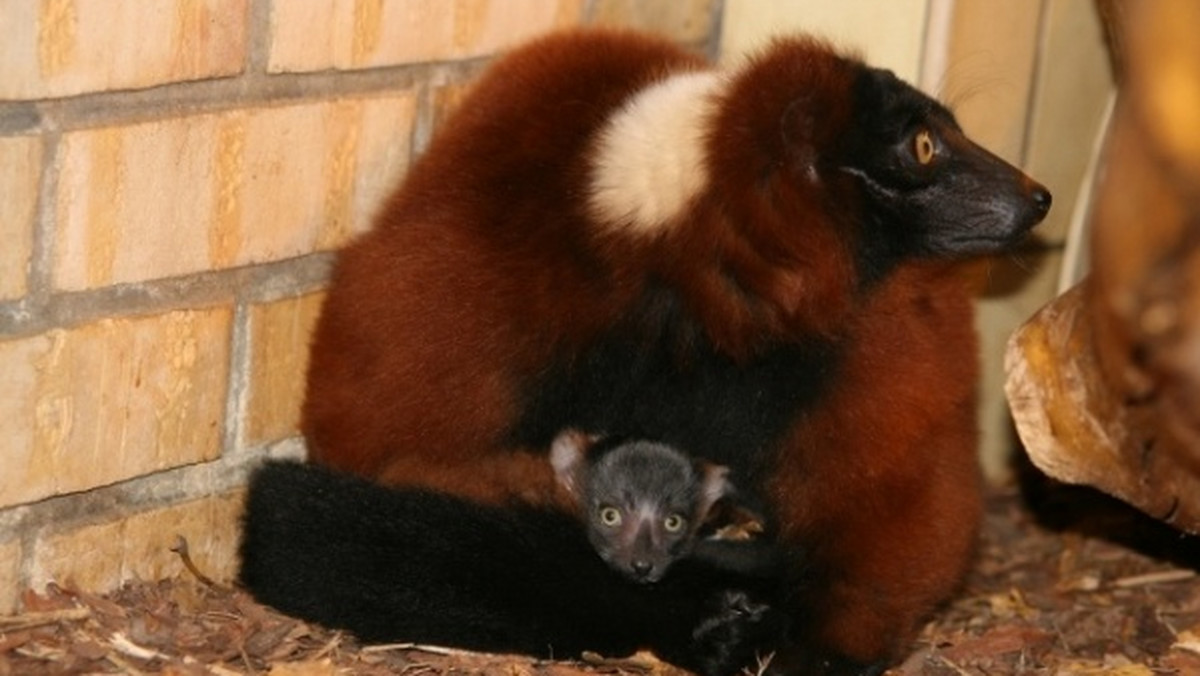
(568, 457)
(719, 511)
(714, 486)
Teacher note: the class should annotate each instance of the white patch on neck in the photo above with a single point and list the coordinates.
(649, 163)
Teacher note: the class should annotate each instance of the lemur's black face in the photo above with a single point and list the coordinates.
(932, 191)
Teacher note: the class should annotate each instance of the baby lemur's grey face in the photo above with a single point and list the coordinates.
(643, 503)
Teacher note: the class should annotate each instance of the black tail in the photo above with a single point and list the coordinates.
(409, 565)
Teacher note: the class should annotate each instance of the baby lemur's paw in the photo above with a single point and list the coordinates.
(739, 631)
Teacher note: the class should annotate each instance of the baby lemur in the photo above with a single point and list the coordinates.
(646, 504)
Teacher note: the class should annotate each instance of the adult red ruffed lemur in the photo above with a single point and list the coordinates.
(752, 264)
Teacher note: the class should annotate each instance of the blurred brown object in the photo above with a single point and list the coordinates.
(1113, 14)
(1104, 383)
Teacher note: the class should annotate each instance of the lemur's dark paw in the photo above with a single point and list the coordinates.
(737, 634)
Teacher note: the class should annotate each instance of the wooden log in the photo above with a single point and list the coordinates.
(1078, 428)
(1104, 383)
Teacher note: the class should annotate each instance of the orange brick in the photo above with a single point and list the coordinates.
(98, 558)
(62, 47)
(111, 400)
(685, 21)
(279, 339)
(10, 576)
(20, 169)
(213, 191)
(317, 35)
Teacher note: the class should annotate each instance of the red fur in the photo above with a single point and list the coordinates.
(435, 317)
(882, 482)
(428, 319)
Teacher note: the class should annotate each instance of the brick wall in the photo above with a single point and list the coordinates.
(174, 175)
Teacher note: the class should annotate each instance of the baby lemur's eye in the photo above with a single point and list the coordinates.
(673, 523)
(923, 147)
(610, 516)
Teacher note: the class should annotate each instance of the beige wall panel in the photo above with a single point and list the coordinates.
(1014, 287)
(1074, 82)
(989, 76)
(889, 34)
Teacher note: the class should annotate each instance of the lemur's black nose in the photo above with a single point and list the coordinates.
(1041, 199)
(640, 568)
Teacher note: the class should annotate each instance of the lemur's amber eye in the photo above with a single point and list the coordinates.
(673, 523)
(610, 516)
(923, 147)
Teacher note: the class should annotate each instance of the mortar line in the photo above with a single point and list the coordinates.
(246, 90)
(262, 282)
(19, 117)
(237, 403)
(423, 122)
(145, 492)
(39, 277)
(712, 44)
(588, 13)
(258, 36)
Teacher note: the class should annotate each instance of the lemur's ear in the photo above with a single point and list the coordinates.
(568, 457)
(714, 486)
(727, 519)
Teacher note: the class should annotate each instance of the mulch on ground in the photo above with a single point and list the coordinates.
(1067, 582)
